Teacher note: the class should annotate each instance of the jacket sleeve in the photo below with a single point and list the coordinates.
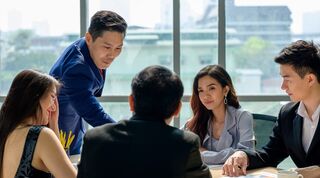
(246, 141)
(273, 152)
(195, 168)
(78, 81)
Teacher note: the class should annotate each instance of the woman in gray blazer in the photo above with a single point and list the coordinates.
(222, 126)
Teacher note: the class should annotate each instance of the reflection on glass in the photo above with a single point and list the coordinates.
(32, 38)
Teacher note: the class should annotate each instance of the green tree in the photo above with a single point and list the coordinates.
(22, 56)
(21, 40)
(40, 60)
(258, 54)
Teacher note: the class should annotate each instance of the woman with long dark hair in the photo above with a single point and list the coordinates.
(217, 118)
(29, 144)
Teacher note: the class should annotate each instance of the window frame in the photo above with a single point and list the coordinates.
(84, 9)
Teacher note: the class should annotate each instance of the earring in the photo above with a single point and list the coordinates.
(225, 100)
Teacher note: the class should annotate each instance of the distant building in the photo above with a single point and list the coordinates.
(271, 23)
(199, 39)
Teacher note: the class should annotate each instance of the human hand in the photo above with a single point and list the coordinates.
(53, 113)
(201, 149)
(310, 172)
(236, 164)
(53, 116)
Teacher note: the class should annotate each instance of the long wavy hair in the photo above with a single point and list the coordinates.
(201, 115)
(22, 102)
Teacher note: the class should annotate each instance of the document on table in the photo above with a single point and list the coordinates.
(217, 166)
(257, 175)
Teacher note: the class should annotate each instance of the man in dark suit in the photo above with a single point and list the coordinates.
(145, 145)
(297, 131)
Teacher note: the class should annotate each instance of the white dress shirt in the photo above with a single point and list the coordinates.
(309, 125)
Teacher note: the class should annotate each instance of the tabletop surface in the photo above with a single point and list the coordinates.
(267, 172)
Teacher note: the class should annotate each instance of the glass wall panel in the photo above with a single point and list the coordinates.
(148, 40)
(33, 33)
(120, 110)
(260, 29)
(117, 111)
(199, 38)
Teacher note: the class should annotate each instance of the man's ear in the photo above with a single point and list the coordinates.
(131, 103)
(177, 111)
(311, 79)
(88, 38)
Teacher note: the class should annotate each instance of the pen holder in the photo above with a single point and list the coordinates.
(66, 141)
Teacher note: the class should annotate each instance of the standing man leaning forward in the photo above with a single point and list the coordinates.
(146, 145)
(82, 69)
(297, 131)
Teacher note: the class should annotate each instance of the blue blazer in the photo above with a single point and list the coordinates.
(81, 82)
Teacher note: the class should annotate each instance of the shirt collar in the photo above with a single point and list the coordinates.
(303, 112)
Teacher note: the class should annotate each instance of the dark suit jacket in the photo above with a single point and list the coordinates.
(140, 147)
(286, 140)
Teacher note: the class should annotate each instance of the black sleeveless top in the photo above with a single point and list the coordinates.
(25, 169)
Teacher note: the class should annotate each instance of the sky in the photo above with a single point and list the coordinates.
(62, 16)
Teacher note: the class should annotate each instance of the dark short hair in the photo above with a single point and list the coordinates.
(156, 92)
(303, 56)
(103, 21)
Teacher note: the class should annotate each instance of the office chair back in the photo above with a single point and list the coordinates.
(262, 126)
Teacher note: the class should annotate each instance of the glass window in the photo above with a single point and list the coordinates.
(199, 38)
(33, 34)
(256, 30)
(148, 40)
(118, 111)
(260, 29)
(269, 108)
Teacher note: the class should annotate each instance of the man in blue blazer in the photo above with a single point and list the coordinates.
(146, 145)
(297, 131)
(82, 68)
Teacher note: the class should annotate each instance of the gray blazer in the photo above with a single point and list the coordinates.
(237, 134)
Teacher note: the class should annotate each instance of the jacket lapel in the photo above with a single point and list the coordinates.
(297, 133)
(226, 138)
